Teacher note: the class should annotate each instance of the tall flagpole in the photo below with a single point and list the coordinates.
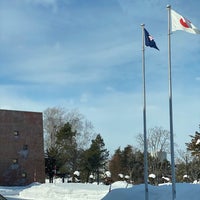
(170, 107)
(144, 118)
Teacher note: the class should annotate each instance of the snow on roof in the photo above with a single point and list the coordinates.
(166, 178)
(121, 175)
(77, 173)
(152, 176)
(198, 141)
(108, 174)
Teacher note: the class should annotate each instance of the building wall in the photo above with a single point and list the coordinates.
(21, 148)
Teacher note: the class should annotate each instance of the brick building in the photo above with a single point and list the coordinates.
(21, 148)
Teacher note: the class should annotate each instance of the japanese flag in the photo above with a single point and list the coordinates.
(181, 23)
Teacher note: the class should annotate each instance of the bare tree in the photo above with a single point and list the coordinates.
(158, 140)
(56, 117)
(158, 146)
(83, 127)
(53, 120)
(183, 156)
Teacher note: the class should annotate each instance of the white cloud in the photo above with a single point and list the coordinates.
(10, 99)
(84, 98)
(46, 3)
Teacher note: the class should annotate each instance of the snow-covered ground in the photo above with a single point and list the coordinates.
(119, 191)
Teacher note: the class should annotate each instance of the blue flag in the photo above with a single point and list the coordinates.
(149, 41)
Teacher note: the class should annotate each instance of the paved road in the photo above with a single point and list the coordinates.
(2, 197)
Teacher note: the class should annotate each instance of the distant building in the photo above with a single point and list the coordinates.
(161, 155)
(21, 148)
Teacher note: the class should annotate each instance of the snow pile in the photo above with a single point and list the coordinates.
(120, 184)
(184, 191)
(65, 191)
(119, 191)
(77, 173)
(10, 191)
(152, 176)
(121, 176)
(108, 174)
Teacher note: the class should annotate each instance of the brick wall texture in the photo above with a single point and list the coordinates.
(21, 148)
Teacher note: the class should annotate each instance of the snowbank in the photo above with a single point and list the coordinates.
(184, 191)
(65, 191)
(119, 191)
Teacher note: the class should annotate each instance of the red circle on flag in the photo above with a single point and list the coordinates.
(185, 23)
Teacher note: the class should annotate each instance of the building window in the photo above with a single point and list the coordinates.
(15, 161)
(25, 147)
(24, 152)
(15, 164)
(24, 174)
(16, 133)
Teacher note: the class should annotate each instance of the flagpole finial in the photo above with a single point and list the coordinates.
(143, 25)
(168, 6)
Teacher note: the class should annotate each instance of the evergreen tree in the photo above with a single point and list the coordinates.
(115, 164)
(67, 147)
(50, 163)
(56, 117)
(194, 145)
(194, 148)
(95, 158)
(127, 162)
(138, 167)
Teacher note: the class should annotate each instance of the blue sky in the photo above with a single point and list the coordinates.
(86, 55)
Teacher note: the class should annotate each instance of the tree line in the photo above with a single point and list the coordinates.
(71, 145)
